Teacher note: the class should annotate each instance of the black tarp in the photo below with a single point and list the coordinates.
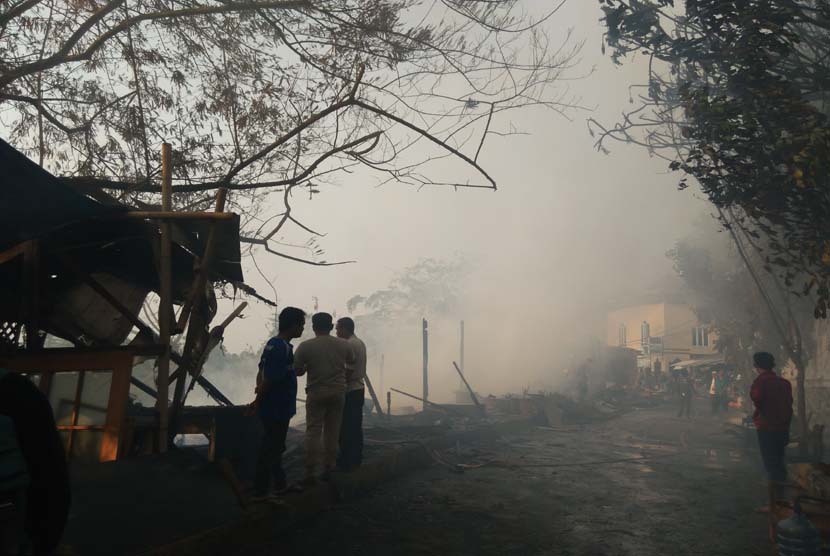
(34, 203)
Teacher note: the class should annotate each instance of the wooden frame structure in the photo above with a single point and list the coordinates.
(119, 361)
(31, 358)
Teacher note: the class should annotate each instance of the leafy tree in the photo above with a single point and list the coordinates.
(736, 100)
(718, 277)
(717, 281)
(429, 288)
(264, 96)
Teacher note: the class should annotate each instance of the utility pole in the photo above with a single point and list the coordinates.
(426, 364)
(461, 352)
(380, 386)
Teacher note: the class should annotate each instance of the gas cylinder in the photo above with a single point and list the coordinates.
(797, 536)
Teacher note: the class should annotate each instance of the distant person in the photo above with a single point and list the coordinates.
(685, 391)
(276, 399)
(324, 358)
(773, 399)
(582, 378)
(718, 392)
(47, 496)
(713, 393)
(351, 431)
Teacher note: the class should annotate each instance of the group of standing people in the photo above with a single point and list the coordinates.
(335, 367)
(684, 386)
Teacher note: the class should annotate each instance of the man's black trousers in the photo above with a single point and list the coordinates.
(773, 446)
(351, 431)
(269, 463)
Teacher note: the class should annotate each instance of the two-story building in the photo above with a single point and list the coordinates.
(663, 333)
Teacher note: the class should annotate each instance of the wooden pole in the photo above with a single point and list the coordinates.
(166, 295)
(426, 402)
(214, 338)
(382, 362)
(31, 269)
(375, 400)
(426, 363)
(76, 410)
(389, 404)
(170, 215)
(197, 290)
(461, 348)
(469, 389)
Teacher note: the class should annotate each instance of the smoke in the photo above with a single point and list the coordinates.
(570, 234)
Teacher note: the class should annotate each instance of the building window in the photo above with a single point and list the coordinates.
(623, 339)
(700, 336)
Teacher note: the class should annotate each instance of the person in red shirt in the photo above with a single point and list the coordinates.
(773, 399)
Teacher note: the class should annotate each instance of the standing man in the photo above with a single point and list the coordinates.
(686, 391)
(773, 399)
(324, 358)
(718, 391)
(582, 377)
(276, 399)
(351, 431)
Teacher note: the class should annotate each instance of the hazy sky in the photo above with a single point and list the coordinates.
(569, 229)
(565, 219)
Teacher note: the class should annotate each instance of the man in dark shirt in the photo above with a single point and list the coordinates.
(276, 400)
(773, 399)
(686, 392)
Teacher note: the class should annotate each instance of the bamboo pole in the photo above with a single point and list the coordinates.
(197, 290)
(214, 338)
(426, 402)
(165, 294)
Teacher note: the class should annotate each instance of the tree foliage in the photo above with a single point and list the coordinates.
(717, 281)
(746, 318)
(429, 287)
(262, 96)
(736, 99)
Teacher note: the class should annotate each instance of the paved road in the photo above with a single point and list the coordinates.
(643, 484)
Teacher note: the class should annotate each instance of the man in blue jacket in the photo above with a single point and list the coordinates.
(276, 400)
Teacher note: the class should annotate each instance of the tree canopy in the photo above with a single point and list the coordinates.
(265, 96)
(736, 98)
(430, 287)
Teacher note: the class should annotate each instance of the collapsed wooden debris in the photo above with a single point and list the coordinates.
(80, 268)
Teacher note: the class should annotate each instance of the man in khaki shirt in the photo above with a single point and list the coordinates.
(351, 431)
(324, 359)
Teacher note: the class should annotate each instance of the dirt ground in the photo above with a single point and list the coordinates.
(645, 483)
